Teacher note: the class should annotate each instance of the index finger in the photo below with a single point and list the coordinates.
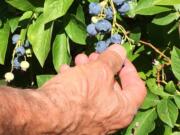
(132, 85)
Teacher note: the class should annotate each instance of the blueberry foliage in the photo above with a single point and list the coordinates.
(37, 37)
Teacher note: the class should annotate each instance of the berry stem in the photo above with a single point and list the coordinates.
(104, 3)
(114, 16)
(156, 50)
(125, 33)
(20, 42)
(13, 55)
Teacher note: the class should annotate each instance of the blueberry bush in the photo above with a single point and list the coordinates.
(38, 36)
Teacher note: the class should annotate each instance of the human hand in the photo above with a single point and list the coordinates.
(89, 99)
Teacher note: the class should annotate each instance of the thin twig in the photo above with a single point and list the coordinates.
(114, 16)
(156, 50)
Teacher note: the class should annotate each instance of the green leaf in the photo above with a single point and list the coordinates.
(165, 19)
(168, 112)
(177, 100)
(151, 100)
(142, 75)
(176, 133)
(166, 2)
(152, 10)
(26, 15)
(136, 34)
(177, 7)
(61, 54)
(146, 7)
(168, 130)
(80, 14)
(76, 30)
(39, 36)
(143, 123)
(54, 9)
(157, 90)
(4, 36)
(13, 23)
(173, 28)
(130, 48)
(175, 57)
(139, 50)
(23, 5)
(41, 79)
(170, 87)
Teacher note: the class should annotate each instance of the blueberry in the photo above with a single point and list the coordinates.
(108, 41)
(118, 2)
(124, 8)
(91, 29)
(116, 39)
(16, 63)
(103, 26)
(109, 13)
(94, 8)
(27, 44)
(101, 46)
(20, 51)
(15, 38)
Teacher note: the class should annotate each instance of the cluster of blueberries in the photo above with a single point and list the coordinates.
(19, 51)
(104, 26)
(122, 6)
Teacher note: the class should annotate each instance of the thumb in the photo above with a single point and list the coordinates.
(114, 57)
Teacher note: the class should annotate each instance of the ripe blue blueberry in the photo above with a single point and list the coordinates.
(16, 63)
(94, 8)
(15, 38)
(108, 41)
(124, 8)
(103, 26)
(116, 39)
(118, 2)
(109, 13)
(20, 51)
(91, 29)
(101, 46)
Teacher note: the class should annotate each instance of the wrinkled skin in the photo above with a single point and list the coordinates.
(104, 106)
(81, 100)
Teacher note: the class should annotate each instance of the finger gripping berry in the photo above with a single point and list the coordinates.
(94, 8)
